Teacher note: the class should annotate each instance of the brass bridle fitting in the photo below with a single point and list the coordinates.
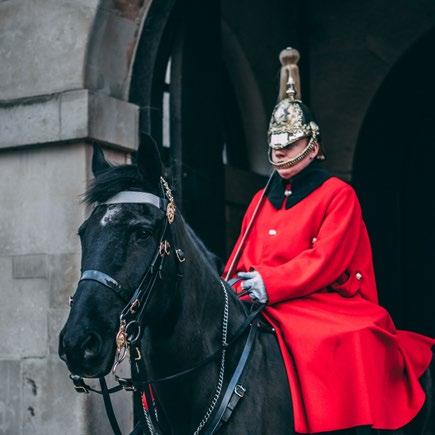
(171, 208)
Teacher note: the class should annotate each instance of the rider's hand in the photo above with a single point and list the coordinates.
(253, 283)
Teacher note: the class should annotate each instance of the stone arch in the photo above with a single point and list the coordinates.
(249, 99)
(111, 50)
(352, 48)
(392, 172)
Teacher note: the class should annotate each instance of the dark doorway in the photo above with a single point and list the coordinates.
(394, 177)
(177, 82)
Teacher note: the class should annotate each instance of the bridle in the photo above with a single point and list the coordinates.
(131, 318)
(132, 315)
(131, 321)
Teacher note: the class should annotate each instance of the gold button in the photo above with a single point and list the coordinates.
(272, 232)
(358, 276)
(314, 240)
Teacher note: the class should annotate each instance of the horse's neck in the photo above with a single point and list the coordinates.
(196, 334)
(197, 323)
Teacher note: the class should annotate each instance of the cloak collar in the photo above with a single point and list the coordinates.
(301, 185)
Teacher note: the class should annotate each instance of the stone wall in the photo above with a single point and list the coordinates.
(54, 101)
(39, 268)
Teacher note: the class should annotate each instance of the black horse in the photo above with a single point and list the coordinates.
(183, 319)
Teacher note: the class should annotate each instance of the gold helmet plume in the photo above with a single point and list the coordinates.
(291, 120)
(289, 83)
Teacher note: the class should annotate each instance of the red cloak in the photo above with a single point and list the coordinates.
(346, 362)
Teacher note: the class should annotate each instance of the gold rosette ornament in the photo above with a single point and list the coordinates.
(171, 208)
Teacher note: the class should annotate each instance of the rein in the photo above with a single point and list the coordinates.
(242, 329)
(130, 330)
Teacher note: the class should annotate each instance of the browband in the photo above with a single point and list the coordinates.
(129, 196)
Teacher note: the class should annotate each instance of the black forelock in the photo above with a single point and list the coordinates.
(114, 180)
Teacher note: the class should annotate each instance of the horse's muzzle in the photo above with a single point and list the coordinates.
(83, 355)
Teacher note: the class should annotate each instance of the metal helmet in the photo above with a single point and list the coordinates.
(291, 119)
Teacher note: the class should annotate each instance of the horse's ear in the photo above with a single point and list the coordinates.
(99, 162)
(148, 160)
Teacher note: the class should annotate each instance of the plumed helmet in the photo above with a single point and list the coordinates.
(291, 119)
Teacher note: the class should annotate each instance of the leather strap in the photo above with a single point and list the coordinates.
(138, 367)
(81, 387)
(239, 393)
(142, 385)
(109, 408)
(233, 281)
(234, 391)
(106, 280)
(129, 196)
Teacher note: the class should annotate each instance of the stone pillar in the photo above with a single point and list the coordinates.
(44, 167)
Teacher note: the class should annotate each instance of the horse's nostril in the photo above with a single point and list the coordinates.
(91, 346)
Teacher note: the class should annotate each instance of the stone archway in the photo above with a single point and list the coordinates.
(393, 174)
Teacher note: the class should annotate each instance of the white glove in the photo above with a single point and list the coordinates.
(253, 283)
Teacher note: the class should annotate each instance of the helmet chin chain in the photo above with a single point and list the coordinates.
(298, 158)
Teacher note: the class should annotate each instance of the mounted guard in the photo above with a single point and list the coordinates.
(304, 250)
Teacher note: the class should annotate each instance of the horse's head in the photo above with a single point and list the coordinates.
(119, 240)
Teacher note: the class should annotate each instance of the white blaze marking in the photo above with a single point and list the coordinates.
(109, 215)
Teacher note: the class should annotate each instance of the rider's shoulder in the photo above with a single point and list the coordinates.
(337, 185)
(337, 191)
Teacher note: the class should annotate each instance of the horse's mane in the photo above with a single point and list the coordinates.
(114, 180)
(126, 177)
(214, 261)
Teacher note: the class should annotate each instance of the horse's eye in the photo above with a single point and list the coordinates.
(142, 234)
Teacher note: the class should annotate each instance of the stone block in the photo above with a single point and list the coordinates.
(5, 273)
(22, 314)
(43, 46)
(64, 273)
(56, 319)
(29, 266)
(41, 208)
(50, 404)
(29, 122)
(10, 397)
(71, 115)
(114, 121)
